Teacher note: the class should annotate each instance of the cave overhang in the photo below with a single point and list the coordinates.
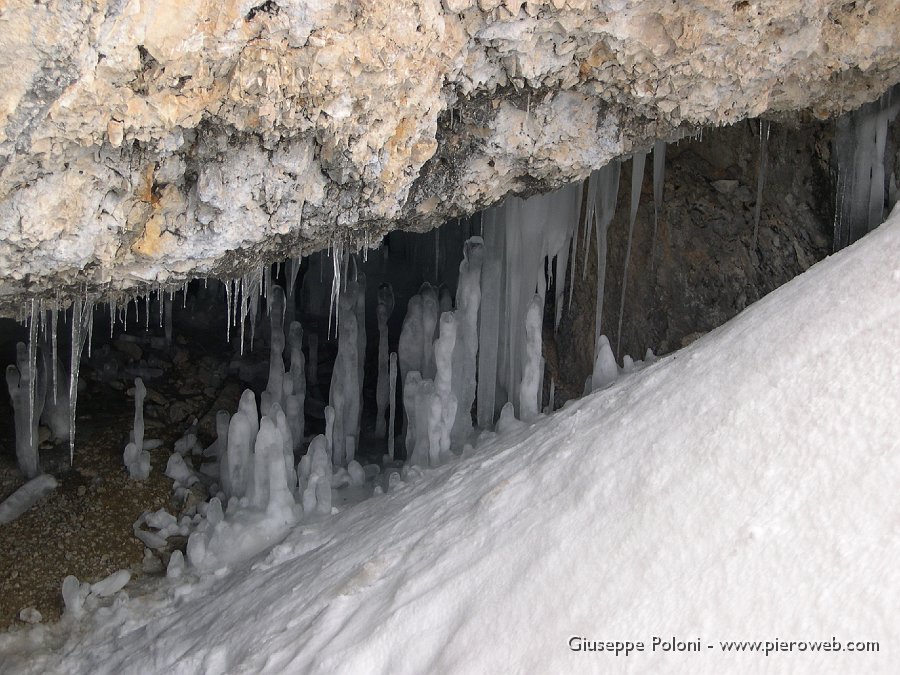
(142, 145)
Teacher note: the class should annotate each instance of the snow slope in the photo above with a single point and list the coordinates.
(744, 488)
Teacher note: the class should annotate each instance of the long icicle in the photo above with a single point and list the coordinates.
(659, 170)
(32, 365)
(764, 129)
(79, 318)
(637, 177)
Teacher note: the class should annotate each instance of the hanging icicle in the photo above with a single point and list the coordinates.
(637, 179)
(764, 128)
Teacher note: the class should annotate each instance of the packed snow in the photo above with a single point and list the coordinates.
(743, 488)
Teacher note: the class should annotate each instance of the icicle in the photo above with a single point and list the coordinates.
(392, 402)
(90, 331)
(184, 291)
(147, 296)
(337, 260)
(659, 169)
(764, 129)
(244, 304)
(81, 310)
(161, 297)
(608, 179)
(594, 183)
(637, 178)
(112, 316)
(228, 300)
(32, 365)
(54, 322)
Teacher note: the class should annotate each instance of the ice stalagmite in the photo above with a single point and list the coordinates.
(316, 487)
(295, 386)
(532, 372)
(490, 316)
(465, 354)
(607, 196)
(236, 469)
(344, 391)
(23, 382)
(443, 412)
(392, 402)
(411, 385)
(409, 349)
(605, 369)
(382, 392)
(287, 445)
(637, 179)
(137, 460)
(429, 326)
(358, 288)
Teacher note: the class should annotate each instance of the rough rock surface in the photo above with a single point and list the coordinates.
(145, 143)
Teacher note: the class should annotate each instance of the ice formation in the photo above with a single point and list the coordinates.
(392, 402)
(860, 142)
(295, 386)
(637, 179)
(383, 311)
(465, 354)
(344, 394)
(25, 497)
(26, 383)
(533, 368)
(135, 457)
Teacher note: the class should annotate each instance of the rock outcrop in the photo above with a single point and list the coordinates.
(147, 143)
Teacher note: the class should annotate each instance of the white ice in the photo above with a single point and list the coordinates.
(713, 494)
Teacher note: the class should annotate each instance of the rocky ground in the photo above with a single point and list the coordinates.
(85, 527)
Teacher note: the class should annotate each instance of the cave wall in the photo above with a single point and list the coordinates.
(147, 143)
(704, 268)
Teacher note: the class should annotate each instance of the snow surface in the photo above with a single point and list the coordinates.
(744, 488)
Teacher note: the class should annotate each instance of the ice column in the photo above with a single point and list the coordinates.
(465, 354)
(236, 469)
(382, 392)
(533, 370)
(392, 402)
(295, 386)
(344, 391)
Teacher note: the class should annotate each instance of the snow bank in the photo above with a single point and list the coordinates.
(744, 488)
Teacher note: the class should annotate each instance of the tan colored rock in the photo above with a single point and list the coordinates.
(145, 143)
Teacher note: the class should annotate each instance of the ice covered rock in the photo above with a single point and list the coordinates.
(137, 462)
(178, 470)
(357, 473)
(605, 369)
(30, 615)
(74, 594)
(175, 568)
(112, 584)
(25, 497)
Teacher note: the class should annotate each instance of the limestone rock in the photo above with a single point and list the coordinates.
(146, 143)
